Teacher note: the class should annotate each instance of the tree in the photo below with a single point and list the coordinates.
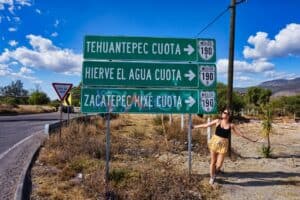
(15, 89)
(38, 98)
(76, 95)
(267, 128)
(258, 96)
(287, 105)
(237, 100)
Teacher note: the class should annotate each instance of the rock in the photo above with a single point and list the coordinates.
(79, 175)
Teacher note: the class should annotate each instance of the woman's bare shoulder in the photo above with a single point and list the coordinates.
(217, 121)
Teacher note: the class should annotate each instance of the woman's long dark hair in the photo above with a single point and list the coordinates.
(229, 115)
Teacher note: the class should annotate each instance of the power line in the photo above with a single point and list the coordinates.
(218, 16)
(213, 21)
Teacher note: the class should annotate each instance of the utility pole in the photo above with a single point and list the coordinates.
(230, 63)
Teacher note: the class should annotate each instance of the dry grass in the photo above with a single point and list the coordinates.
(136, 173)
(25, 109)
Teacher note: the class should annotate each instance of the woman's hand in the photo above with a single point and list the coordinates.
(254, 140)
(250, 139)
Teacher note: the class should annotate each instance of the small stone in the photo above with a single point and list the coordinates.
(79, 175)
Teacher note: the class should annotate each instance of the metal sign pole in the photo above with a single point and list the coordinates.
(190, 144)
(170, 119)
(68, 114)
(107, 147)
(182, 121)
(60, 121)
(208, 130)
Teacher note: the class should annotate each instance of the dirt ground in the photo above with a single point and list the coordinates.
(137, 146)
(6, 109)
(250, 176)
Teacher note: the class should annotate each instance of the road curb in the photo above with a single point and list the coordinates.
(24, 185)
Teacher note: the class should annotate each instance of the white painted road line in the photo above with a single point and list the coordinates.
(15, 145)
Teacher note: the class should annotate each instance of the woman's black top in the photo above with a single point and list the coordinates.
(222, 132)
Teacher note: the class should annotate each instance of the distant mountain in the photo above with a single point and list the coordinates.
(279, 87)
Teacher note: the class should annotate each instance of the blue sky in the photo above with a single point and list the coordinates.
(41, 41)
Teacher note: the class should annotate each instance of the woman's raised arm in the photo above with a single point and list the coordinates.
(207, 124)
(237, 132)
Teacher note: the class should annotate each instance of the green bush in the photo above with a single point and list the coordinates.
(287, 105)
(238, 101)
(54, 103)
(38, 98)
(10, 101)
(118, 175)
(266, 151)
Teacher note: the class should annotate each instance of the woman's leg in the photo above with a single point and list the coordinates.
(220, 160)
(213, 160)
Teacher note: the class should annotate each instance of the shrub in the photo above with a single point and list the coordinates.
(118, 175)
(266, 151)
(157, 119)
(137, 133)
(38, 98)
(10, 101)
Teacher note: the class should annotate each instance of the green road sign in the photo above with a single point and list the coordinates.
(207, 76)
(136, 74)
(149, 48)
(208, 102)
(102, 100)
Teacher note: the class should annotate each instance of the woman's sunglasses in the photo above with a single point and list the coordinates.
(225, 113)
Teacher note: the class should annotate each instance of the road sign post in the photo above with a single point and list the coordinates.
(107, 147)
(61, 90)
(190, 144)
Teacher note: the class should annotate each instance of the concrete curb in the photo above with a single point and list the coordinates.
(24, 186)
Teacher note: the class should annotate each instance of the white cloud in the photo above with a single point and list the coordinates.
(11, 9)
(44, 54)
(4, 57)
(23, 73)
(25, 70)
(12, 29)
(4, 3)
(255, 66)
(13, 43)
(38, 11)
(24, 2)
(54, 34)
(243, 78)
(17, 19)
(285, 43)
(40, 44)
(279, 75)
(56, 23)
(12, 3)
(4, 70)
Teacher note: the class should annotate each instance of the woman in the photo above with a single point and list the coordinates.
(218, 144)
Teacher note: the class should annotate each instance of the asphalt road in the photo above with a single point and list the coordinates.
(15, 128)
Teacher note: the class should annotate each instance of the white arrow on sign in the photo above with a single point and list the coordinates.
(190, 101)
(189, 49)
(190, 75)
(62, 89)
